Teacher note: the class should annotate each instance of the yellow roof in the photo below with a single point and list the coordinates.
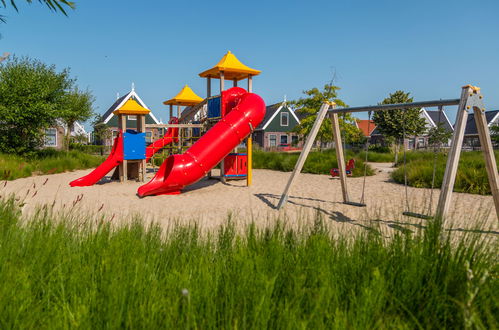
(185, 97)
(232, 68)
(131, 107)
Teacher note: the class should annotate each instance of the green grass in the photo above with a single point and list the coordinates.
(318, 162)
(57, 273)
(471, 175)
(45, 162)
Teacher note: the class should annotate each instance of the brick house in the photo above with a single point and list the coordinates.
(276, 128)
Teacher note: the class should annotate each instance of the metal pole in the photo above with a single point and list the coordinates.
(385, 107)
(304, 154)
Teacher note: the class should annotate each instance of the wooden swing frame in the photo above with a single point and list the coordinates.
(470, 100)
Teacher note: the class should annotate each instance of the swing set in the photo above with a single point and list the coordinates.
(471, 100)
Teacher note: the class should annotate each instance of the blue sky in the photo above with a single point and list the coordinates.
(429, 48)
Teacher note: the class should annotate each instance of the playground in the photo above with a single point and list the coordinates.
(209, 202)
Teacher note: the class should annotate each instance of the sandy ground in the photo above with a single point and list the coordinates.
(209, 202)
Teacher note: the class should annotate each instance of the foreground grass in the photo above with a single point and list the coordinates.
(45, 162)
(58, 274)
(318, 162)
(471, 175)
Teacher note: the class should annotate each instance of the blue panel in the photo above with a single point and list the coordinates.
(214, 107)
(196, 131)
(134, 145)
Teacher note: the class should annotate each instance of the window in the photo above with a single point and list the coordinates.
(294, 140)
(149, 136)
(284, 119)
(284, 139)
(132, 117)
(50, 137)
(272, 140)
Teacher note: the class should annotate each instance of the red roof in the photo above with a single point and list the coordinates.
(364, 125)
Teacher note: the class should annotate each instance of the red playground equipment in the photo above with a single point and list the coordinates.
(349, 169)
(243, 112)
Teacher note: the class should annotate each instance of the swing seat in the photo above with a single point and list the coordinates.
(355, 204)
(348, 170)
(417, 215)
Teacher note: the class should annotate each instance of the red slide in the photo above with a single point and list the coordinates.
(244, 111)
(170, 136)
(113, 160)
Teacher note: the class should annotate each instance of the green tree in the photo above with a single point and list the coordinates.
(54, 5)
(438, 135)
(101, 130)
(397, 123)
(76, 106)
(309, 106)
(494, 134)
(31, 95)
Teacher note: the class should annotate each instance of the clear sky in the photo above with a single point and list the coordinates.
(428, 48)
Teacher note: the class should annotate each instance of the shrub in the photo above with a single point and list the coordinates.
(46, 161)
(471, 175)
(318, 162)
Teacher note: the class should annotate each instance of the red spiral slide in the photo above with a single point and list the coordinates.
(243, 112)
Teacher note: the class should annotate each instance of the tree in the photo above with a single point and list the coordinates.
(54, 5)
(438, 135)
(31, 95)
(101, 130)
(309, 106)
(397, 123)
(76, 106)
(494, 133)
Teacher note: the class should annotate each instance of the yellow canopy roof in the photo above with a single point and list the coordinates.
(185, 97)
(232, 68)
(131, 107)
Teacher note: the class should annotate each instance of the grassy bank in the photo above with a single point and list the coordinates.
(45, 162)
(471, 175)
(57, 274)
(317, 162)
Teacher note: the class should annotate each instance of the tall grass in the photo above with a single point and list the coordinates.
(471, 175)
(62, 274)
(45, 162)
(318, 162)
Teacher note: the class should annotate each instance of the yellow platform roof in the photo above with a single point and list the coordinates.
(185, 97)
(131, 107)
(232, 68)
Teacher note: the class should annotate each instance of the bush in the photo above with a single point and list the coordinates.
(318, 162)
(471, 175)
(59, 274)
(46, 161)
(90, 149)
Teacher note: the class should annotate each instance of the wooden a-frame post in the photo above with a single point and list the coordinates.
(470, 99)
(340, 156)
(304, 154)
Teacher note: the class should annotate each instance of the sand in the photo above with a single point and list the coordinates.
(209, 202)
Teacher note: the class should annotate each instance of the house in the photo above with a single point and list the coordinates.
(471, 140)
(432, 119)
(276, 128)
(366, 126)
(111, 120)
(54, 136)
